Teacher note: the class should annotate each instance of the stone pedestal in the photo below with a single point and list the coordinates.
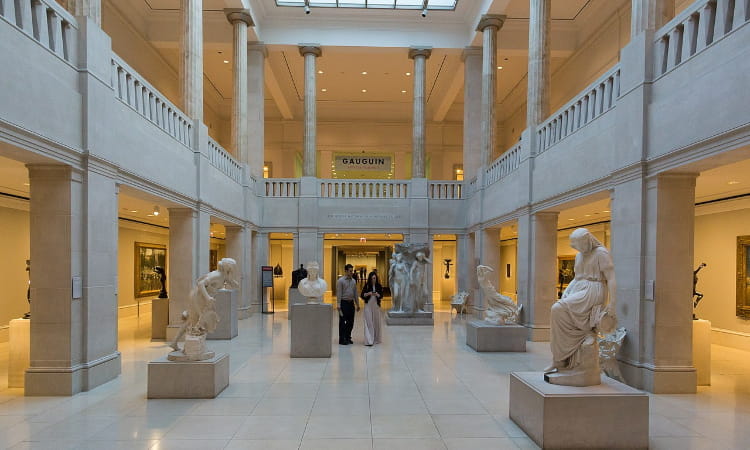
(295, 298)
(485, 337)
(188, 379)
(417, 318)
(610, 415)
(159, 318)
(18, 351)
(702, 351)
(311, 330)
(226, 308)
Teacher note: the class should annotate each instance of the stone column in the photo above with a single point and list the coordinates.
(73, 247)
(260, 252)
(537, 104)
(310, 52)
(187, 256)
(191, 51)
(488, 251)
(537, 271)
(240, 20)
(419, 55)
(650, 15)
(238, 247)
(87, 8)
(489, 25)
(465, 267)
(472, 57)
(256, 57)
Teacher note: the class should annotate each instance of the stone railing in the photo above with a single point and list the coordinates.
(598, 98)
(222, 160)
(363, 189)
(446, 190)
(505, 164)
(281, 187)
(47, 22)
(136, 92)
(696, 28)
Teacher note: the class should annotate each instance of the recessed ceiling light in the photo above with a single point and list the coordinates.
(587, 215)
(364, 73)
(27, 184)
(731, 182)
(149, 215)
(606, 211)
(364, 90)
(226, 61)
(324, 90)
(320, 71)
(403, 91)
(408, 74)
(499, 67)
(571, 219)
(134, 210)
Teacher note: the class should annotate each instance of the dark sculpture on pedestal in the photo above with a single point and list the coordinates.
(163, 278)
(698, 296)
(298, 275)
(28, 289)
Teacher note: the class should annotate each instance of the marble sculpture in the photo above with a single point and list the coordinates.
(581, 313)
(410, 289)
(313, 287)
(398, 275)
(458, 301)
(201, 318)
(501, 309)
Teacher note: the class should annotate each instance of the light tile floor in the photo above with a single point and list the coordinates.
(423, 388)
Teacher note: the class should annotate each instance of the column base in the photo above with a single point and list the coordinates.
(661, 380)
(538, 333)
(62, 381)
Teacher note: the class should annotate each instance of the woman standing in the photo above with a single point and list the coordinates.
(372, 293)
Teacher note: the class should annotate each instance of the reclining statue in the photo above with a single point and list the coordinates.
(501, 310)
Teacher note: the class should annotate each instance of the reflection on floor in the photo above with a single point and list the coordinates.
(423, 388)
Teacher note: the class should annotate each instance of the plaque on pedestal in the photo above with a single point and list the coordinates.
(486, 337)
(18, 351)
(609, 415)
(188, 379)
(159, 318)
(311, 330)
(411, 318)
(226, 308)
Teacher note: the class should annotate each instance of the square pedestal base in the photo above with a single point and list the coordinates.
(295, 298)
(226, 308)
(417, 318)
(311, 330)
(702, 351)
(188, 379)
(159, 318)
(18, 351)
(610, 415)
(485, 337)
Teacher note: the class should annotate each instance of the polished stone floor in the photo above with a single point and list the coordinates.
(423, 388)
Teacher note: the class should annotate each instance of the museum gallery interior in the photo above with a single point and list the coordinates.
(553, 194)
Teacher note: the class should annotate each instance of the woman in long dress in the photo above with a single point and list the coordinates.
(372, 293)
(581, 311)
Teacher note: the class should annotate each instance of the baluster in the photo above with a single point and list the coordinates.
(9, 10)
(592, 104)
(129, 83)
(661, 55)
(137, 96)
(169, 122)
(724, 16)
(690, 37)
(39, 24)
(675, 47)
(121, 84)
(706, 26)
(607, 95)
(616, 87)
(741, 13)
(55, 33)
(24, 16)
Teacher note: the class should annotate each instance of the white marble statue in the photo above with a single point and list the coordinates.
(458, 302)
(398, 277)
(582, 313)
(200, 318)
(313, 287)
(418, 283)
(501, 309)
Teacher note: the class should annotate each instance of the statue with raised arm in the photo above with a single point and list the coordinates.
(200, 318)
(313, 287)
(501, 309)
(698, 296)
(582, 312)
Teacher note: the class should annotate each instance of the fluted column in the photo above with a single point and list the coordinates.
(472, 57)
(537, 104)
(256, 57)
(310, 52)
(650, 15)
(419, 55)
(489, 26)
(240, 20)
(87, 8)
(191, 49)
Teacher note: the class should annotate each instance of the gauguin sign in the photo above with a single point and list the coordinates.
(363, 165)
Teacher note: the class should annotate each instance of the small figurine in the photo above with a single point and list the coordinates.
(698, 296)
(163, 278)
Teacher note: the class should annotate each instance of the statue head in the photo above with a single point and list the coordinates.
(483, 270)
(582, 240)
(312, 270)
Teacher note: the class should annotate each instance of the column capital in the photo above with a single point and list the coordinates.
(468, 52)
(237, 15)
(258, 46)
(491, 20)
(420, 51)
(310, 48)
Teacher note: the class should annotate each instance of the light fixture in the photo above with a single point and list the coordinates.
(307, 7)
(320, 71)
(364, 90)
(324, 90)
(606, 211)
(448, 265)
(571, 219)
(364, 73)
(134, 210)
(403, 91)
(156, 210)
(226, 61)
(363, 239)
(408, 74)
(734, 182)
(424, 12)
(499, 67)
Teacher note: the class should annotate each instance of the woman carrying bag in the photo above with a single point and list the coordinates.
(372, 293)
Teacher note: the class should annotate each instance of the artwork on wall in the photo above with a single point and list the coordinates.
(148, 256)
(743, 277)
(565, 272)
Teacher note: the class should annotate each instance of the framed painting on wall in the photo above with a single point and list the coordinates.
(743, 277)
(565, 273)
(148, 256)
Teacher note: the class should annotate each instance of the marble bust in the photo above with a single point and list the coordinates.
(313, 287)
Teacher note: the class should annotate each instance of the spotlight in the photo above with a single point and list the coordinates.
(156, 210)
(424, 12)
(307, 9)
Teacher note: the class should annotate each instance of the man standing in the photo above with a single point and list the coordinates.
(348, 299)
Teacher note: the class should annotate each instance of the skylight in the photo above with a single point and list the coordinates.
(444, 5)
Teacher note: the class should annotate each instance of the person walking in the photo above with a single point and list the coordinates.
(347, 300)
(372, 293)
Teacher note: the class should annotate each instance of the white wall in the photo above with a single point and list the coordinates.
(14, 242)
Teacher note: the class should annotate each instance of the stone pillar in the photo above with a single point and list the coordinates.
(310, 52)
(260, 252)
(419, 55)
(187, 256)
(256, 57)
(73, 240)
(465, 267)
(87, 8)
(537, 271)
(472, 57)
(240, 20)
(489, 25)
(650, 15)
(537, 103)
(488, 252)
(191, 51)
(238, 247)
